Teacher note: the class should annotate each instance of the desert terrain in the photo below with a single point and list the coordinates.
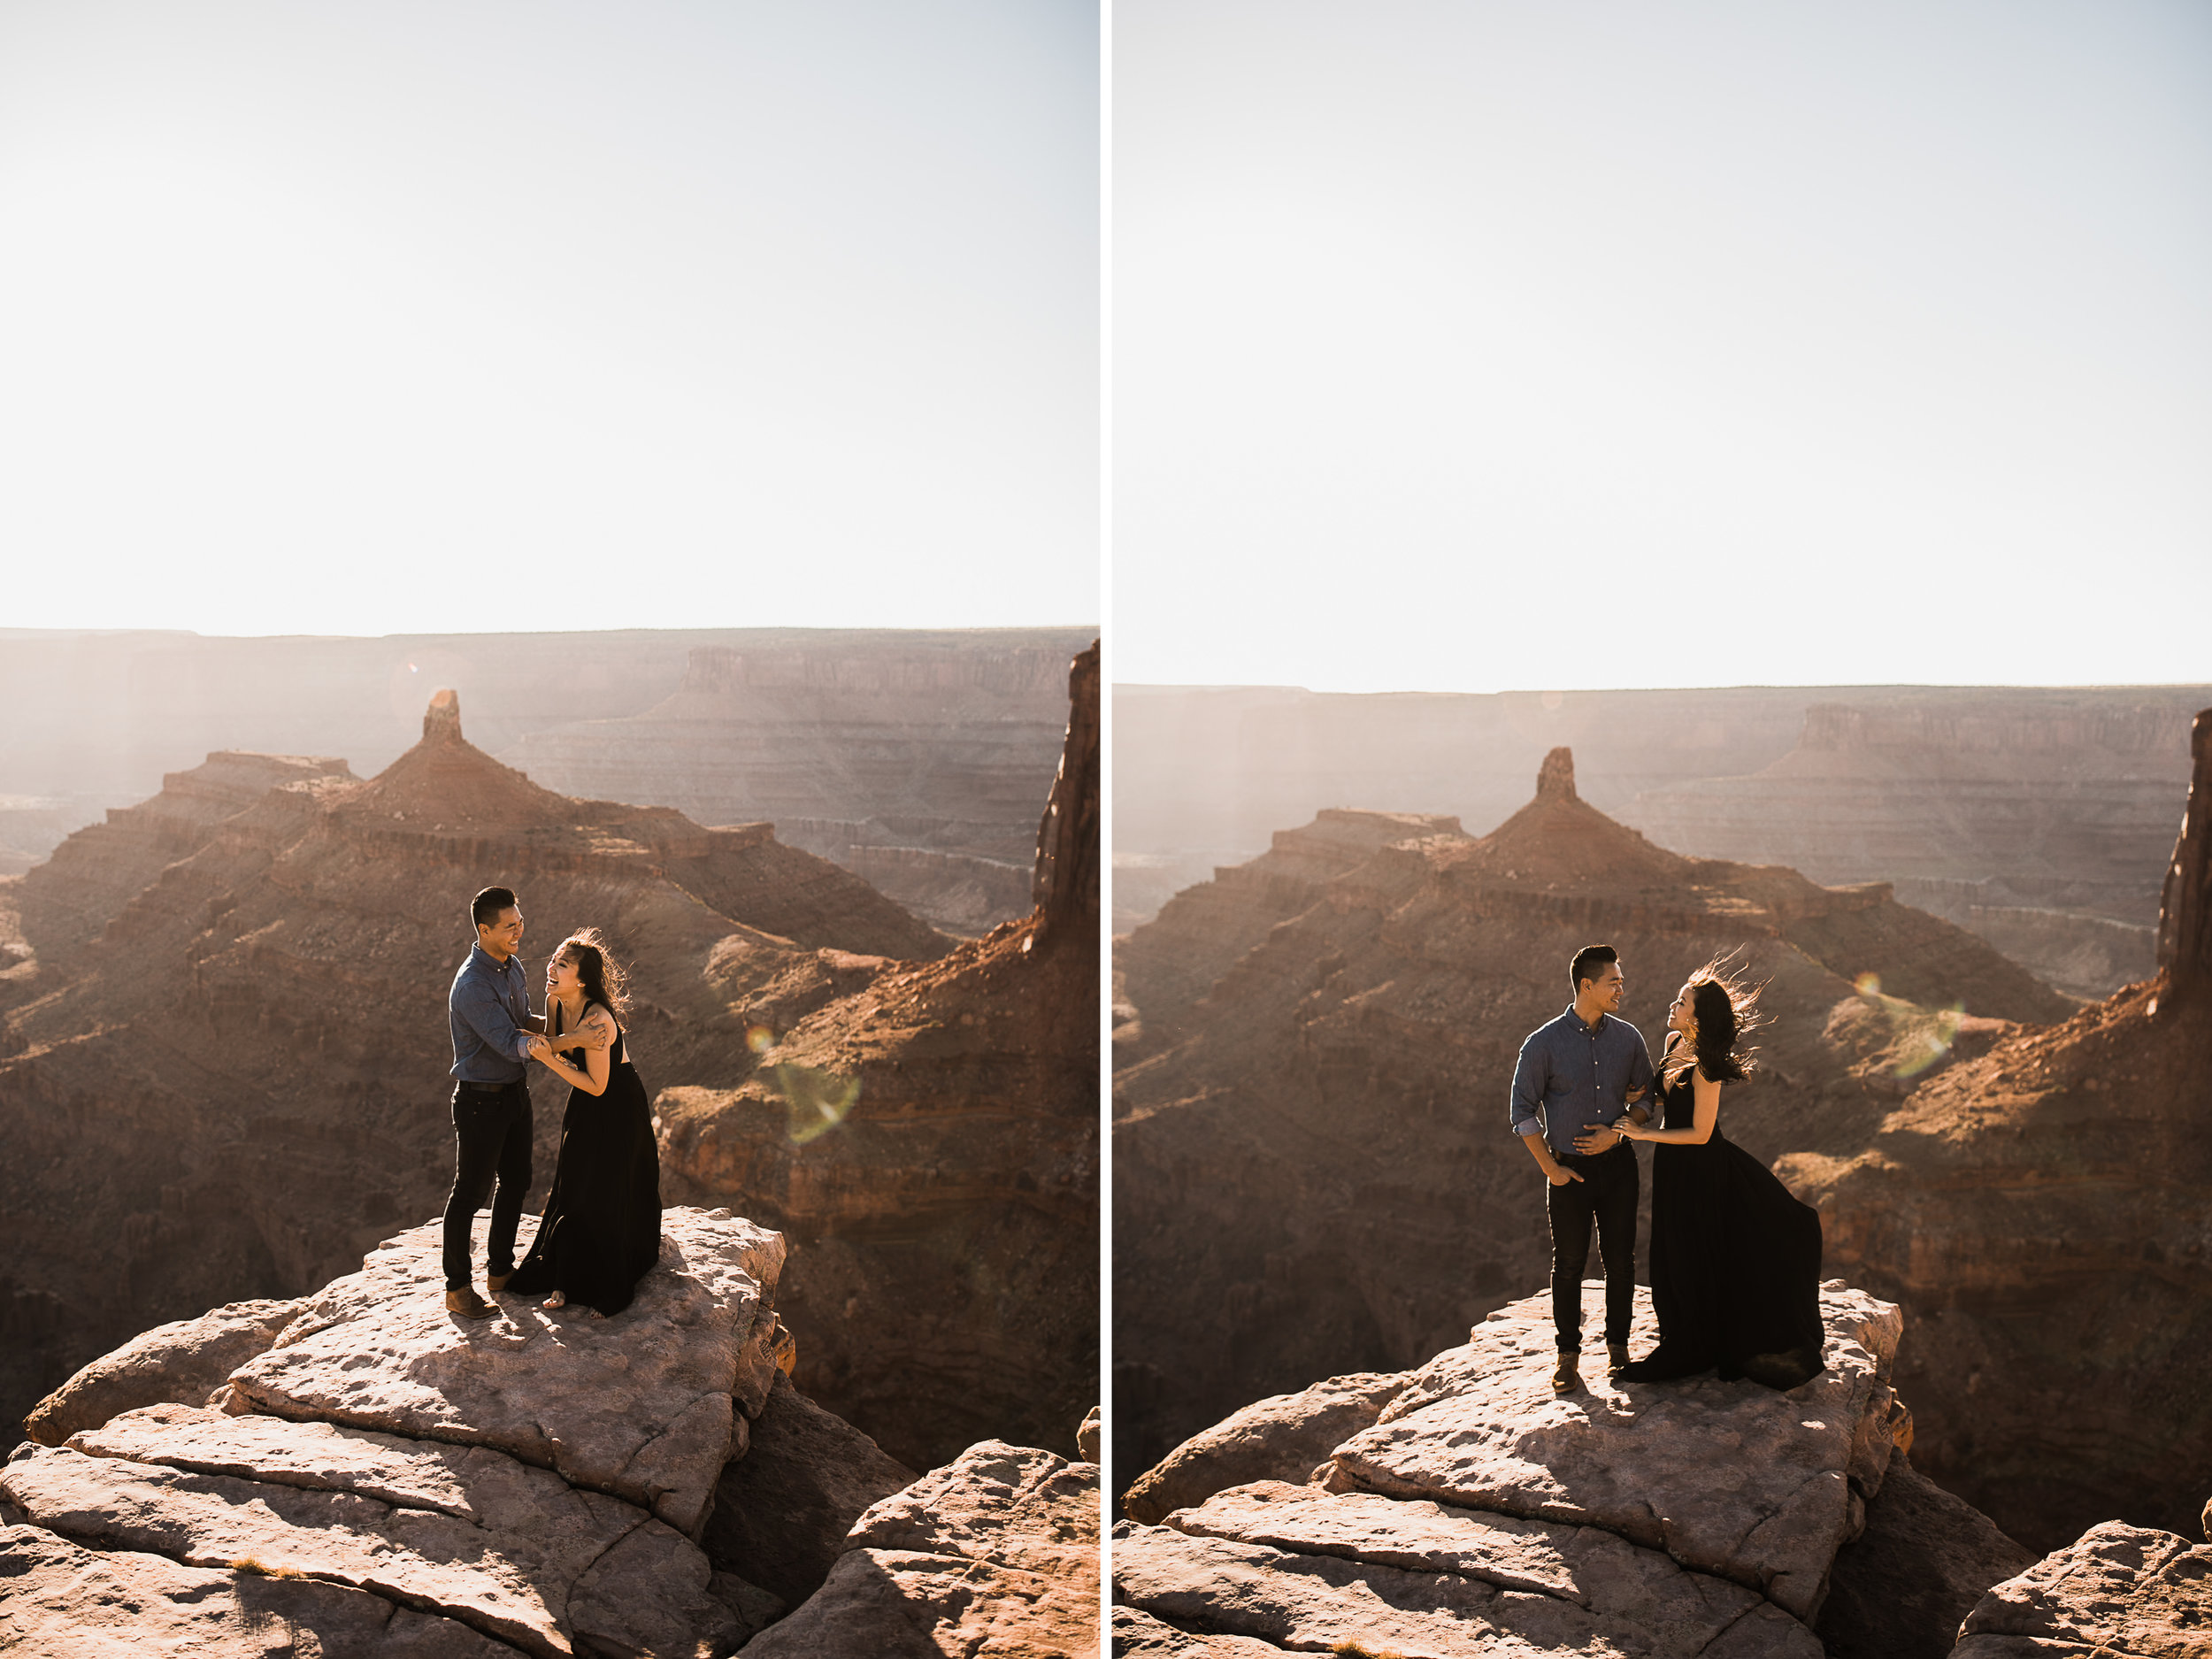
(1314, 1175)
(223, 1063)
(2036, 818)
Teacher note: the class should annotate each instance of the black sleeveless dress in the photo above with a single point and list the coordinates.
(1735, 1264)
(602, 1229)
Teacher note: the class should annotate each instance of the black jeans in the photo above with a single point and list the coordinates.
(491, 1136)
(1607, 1195)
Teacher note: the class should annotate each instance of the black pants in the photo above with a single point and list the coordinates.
(491, 1136)
(1607, 1195)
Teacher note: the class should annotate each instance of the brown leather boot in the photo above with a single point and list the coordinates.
(496, 1282)
(1565, 1379)
(468, 1304)
(1616, 1358)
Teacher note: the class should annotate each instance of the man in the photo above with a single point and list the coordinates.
(1575, 1077)
(488, 1009)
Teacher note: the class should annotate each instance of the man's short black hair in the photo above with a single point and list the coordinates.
(1585, 966)
(487, 905)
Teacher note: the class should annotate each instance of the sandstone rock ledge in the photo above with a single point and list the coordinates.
(1481, 1514)
(388, 1479)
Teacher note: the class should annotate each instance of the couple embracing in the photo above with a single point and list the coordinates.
(600, 1231)
(1735, 1259)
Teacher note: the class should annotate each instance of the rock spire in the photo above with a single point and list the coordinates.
(1065, 885)
(2185, 907)
(1557, 775)
(443, 717)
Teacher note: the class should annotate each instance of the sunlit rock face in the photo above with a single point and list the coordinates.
(1313, 1171)
(1475, 1511)
(928, 1139)
(403, 1476)
(224, 1050)
(2045, 1210)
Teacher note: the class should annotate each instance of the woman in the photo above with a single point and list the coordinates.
(1735, 1260)
(602, 1229)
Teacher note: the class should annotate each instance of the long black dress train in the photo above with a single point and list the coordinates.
(1735, 1263)
(602, 1230)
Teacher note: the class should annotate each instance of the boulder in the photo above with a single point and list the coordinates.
(1138, 1635)
(638, 1405)
(1303, 1568)
(1900, 1590)
(61, 1601)
(182, 1362)
(995, 1553)
(1730, 1478)
(511, 1551)
(2117, 1589)
(1280, 1438)
(782, 1511)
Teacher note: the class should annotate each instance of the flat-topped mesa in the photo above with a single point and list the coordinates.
(1557, 775)
(2184, 906)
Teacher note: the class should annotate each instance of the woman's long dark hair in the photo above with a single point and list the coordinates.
(600, 974)
(1726, 1009)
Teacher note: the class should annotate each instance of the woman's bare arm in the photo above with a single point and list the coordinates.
(1705, 1098)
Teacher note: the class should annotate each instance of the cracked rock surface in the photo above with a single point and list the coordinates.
(995, 1553)
(2117, 1589)
(389, 1479)
(638, 1406)
(1482, 1514)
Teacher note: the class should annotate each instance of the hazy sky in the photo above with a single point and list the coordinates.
(400, 315)
(1478, 344)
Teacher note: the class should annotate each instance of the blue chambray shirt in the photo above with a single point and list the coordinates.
(1574, 1077)
(489, 1010)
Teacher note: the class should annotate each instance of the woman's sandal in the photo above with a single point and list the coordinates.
(556, 1300)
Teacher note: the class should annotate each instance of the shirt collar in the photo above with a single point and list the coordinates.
(1596, 1024)
(477, 953)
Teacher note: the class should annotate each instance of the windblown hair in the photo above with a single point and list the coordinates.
(484, 908)
(603, 981)
(1726, 1009)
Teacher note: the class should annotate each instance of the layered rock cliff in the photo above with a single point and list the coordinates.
(2045, 1211)
(919, 763)
(933, 744)
(223, 1047)
(1314, 1172)
(2035, 816)
(929, 1142)
(372, 1475)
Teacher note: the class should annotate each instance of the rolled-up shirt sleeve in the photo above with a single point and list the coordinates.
(1531, 1072)
(487, 1016)
(1640, 1067)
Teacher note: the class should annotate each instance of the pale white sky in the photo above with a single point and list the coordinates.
(404, 315)
(1478, 344)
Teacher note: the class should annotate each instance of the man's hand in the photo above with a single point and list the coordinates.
(1596, 1139)
(596, 1033)
(1559, 1175)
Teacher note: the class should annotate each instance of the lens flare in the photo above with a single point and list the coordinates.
(1868, 985)
(759, 1038)
(1929, 1043)
(817, 1101)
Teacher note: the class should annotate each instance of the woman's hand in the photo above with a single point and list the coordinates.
(540, 1049)
(1625, 1126)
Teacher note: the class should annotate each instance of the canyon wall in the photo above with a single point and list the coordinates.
(1308, 1134)
(929, 1140)
(929, 749)
(2035, 816)
(1313, 1171)
(223, 1044)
